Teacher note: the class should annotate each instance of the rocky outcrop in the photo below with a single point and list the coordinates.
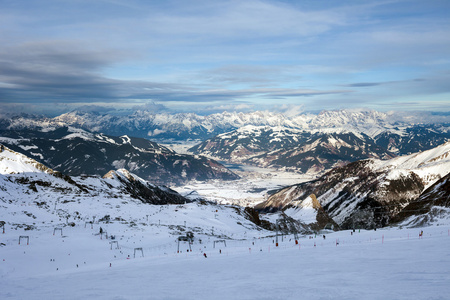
(432, 205)
(143, 190)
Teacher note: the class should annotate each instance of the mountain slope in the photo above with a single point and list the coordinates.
(322, 152)
(260, 138)
(412, 138)
(39, 199)
(433, 204)
(249, 141)
(368, 192)
(311, 213)
(284, 148)
(141, 189)
(23, 175)
(77, 152)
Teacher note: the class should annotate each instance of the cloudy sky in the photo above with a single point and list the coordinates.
(208, 56)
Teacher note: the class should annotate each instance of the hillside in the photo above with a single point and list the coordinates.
(34, 196)
(432, 205)
(368, 193)
(78, 152)
(24, 178)
(288, 149)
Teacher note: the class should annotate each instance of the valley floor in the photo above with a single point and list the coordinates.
(249, 190)
(388, 263)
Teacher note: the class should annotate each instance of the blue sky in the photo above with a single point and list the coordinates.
(210, 56)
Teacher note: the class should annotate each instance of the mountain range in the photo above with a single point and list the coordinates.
(21, 175)
(74, 152)
(288, 149)
(371, 192)
(305, 143)
(184, 126)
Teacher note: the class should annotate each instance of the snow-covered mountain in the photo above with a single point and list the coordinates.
(308, 143)
(59, 240)
(183, 126)
(433, 204)
(249, 141)
(54, 196)
(85, 233)
(413, 138)
(368, 192)
(76, 152)
(317, 143)
(321, 152)
(290, 149)
(24, 177)
(164, 126)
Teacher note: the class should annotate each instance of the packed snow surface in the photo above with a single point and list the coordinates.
(383, 264)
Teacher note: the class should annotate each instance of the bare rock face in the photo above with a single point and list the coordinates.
(432, 205)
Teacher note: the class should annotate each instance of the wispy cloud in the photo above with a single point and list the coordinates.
(230, 53)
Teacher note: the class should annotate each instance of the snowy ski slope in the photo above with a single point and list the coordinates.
(383, 264)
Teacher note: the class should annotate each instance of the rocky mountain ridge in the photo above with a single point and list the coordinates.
(22, 175)
(371, 192)
(183, 126)
(288, 149)
(433, 204)
(303, 143)
(76, 152)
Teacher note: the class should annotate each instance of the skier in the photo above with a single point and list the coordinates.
(101, 230)
(204, 254)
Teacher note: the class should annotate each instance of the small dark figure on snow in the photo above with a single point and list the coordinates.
(324, 237)
(204, 254)
(101, 230)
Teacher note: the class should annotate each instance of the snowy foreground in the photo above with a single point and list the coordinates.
(384, 264)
